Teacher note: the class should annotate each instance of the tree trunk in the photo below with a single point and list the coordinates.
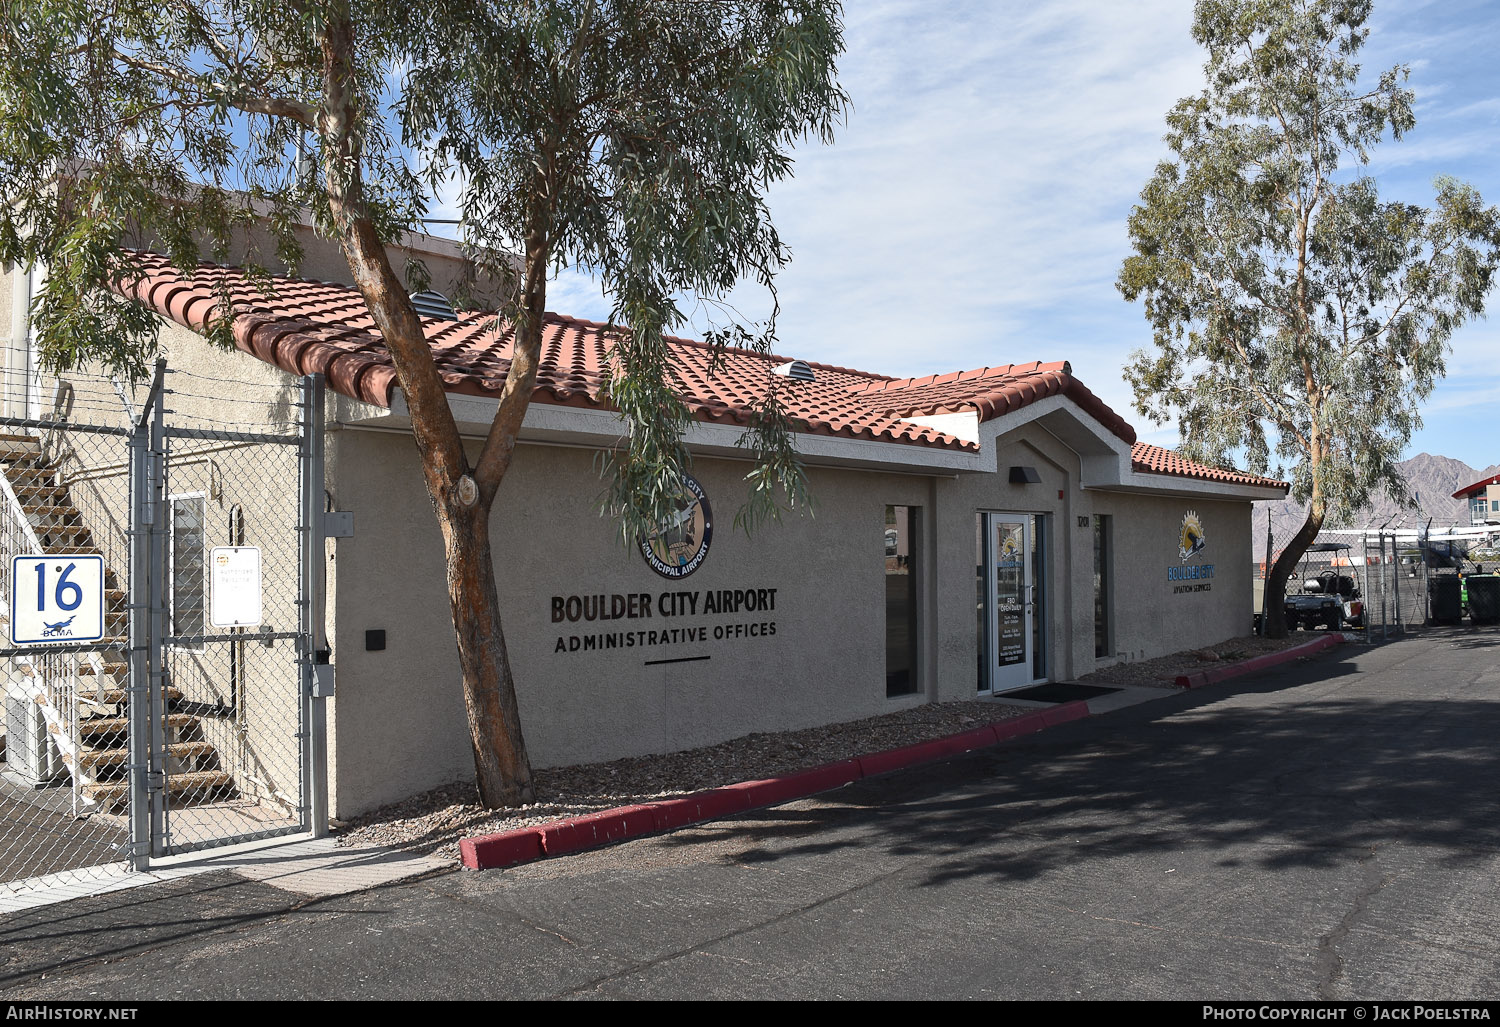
(502, 772)
(1286, 563)
(462, 505)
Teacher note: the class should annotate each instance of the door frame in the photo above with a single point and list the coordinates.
(997, 678)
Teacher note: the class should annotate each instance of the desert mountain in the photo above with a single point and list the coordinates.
(1432, 479)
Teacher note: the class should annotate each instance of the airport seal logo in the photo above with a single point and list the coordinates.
(1190, 540)
(680, 542)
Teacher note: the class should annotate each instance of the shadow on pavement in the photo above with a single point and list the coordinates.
(1309, 781)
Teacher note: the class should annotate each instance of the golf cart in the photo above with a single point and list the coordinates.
(1329, 597)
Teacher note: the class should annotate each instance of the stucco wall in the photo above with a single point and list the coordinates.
(1164, 603)
(400, 713)
(400, 718)
(1150, 619)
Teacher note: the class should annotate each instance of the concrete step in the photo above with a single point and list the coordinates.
(105, 726)
(111, 670)
(14, 450)
(116, 696)
(40, 509)
(62, 535)
(30, 475)
(101, 759)
(38, 492)
(192, 787)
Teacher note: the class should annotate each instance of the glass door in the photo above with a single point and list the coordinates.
(1010, 589)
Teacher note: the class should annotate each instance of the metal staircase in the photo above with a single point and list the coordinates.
(81, 696)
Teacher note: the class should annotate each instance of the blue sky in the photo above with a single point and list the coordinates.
(972, 211)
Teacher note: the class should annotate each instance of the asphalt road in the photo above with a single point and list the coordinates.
(1327, 830)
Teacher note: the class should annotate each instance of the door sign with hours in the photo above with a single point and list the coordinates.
(56, 599)
(234, 586)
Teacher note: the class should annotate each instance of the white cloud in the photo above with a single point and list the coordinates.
(973, 209)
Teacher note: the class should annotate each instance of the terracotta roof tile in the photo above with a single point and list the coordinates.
(305, 326)
(1156, 460)
(992, 391)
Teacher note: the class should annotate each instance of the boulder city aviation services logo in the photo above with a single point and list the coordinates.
(680, 542)
(1190, 540)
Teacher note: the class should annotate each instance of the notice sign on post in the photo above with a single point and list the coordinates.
(56, 599)
(234, 586)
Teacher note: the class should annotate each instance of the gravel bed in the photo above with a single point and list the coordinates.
(434, 821)
(1162, 671)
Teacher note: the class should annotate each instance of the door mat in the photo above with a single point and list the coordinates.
(1059, 691)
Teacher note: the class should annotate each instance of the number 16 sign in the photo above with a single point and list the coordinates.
(56, 599)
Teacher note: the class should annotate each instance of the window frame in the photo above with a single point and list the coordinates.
(172, 500)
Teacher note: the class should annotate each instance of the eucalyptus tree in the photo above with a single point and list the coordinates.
(1298, 318)
(635, 139)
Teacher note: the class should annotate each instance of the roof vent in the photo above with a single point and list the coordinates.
(433, 304)
(797, 370)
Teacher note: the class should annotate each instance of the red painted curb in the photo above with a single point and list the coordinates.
(505, 849)
(527, 844)
(978, 738)
(1208, 677)
(804, 782)
(671, 814)
(1076, 710)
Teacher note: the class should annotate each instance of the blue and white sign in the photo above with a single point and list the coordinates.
(56, 599)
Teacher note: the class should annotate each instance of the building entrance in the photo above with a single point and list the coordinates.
(1011, 594)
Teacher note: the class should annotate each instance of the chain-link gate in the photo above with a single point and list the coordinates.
(188, 719)
(1396, 579)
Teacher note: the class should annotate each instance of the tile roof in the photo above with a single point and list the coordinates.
(305, 326)
(992, 391)
(1151, 459)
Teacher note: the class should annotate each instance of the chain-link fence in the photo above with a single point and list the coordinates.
(63, 596)
(1375, 580)
(155, 584)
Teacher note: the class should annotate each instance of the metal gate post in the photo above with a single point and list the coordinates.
(161, 525)
(1385, 632)
(138, 690)
(1395, 583)
(144, 491)
(1364, 583)
(312, 660)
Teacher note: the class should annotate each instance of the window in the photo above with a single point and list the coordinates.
(189, 584)
(1103, 583)
(901, 544)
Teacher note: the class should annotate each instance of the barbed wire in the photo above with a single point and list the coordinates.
(291, 384)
